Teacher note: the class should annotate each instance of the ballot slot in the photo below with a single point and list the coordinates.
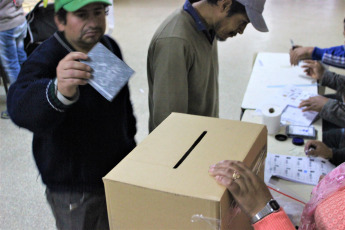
(190, 149)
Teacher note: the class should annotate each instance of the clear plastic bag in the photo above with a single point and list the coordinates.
(290, 202)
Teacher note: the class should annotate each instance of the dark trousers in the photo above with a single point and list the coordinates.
(78, 210)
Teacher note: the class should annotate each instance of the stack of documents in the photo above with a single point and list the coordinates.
(306, 170)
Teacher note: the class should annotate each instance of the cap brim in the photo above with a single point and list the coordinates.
(76, 5)
(257, 20)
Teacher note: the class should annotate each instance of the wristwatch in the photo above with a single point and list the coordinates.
(271, 206)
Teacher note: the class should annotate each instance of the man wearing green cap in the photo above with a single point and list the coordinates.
(78, 135)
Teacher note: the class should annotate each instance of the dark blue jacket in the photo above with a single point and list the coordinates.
(74, 146)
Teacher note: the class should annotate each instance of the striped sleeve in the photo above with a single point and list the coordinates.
(334, 56)
(56, 100)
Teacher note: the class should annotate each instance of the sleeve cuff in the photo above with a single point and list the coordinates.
(327, 108)
(54, 101)
(64, 100)
(338, 156)
(275, 221)
(317, 53)
(326, 75)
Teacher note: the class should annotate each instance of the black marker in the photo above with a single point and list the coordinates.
(311, 147)
(292, 44)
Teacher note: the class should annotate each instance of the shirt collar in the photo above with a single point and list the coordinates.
(199, 24)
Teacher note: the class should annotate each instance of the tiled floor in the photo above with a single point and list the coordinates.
(307, 22)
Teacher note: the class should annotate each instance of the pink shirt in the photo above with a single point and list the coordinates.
(330, 214)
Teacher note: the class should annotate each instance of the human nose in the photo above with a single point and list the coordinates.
(93, 16)
(242, 28)
(92, 20)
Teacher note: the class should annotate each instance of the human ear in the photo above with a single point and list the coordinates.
(59, 24)
(225, 5)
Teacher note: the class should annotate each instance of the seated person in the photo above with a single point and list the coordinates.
(329, 109)
(325, 210)
(334, 56)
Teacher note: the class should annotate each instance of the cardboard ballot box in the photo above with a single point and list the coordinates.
(164, 182)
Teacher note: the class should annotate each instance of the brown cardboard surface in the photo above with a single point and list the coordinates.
(145, 191)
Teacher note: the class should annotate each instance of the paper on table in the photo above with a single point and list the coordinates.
(306, 170)
(289, 95)
(109, 74)
(271, 73)
(294, 116)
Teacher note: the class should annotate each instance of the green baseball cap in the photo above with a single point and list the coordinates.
(73, 5)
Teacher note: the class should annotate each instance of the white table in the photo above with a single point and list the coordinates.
(271, 73)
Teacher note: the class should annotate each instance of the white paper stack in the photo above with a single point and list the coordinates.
(306, 170)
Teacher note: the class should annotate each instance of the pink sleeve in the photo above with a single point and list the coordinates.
(275, 221)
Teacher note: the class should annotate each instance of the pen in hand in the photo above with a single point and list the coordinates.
(311, 147)
(292, 44)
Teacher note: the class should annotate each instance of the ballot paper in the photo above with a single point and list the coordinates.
(292, 95)
(306, 170)
(290, 98)
(294, 116)
(109, 73)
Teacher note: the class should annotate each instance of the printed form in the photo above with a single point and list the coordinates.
(306, 170)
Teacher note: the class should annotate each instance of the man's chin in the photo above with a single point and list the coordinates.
(224, 39)
(88, 43)
(91, 40)
(221, 39)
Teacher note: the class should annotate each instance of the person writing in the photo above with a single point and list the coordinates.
(325, 210)
(335, 153)
(78, 135)
(333, 56)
